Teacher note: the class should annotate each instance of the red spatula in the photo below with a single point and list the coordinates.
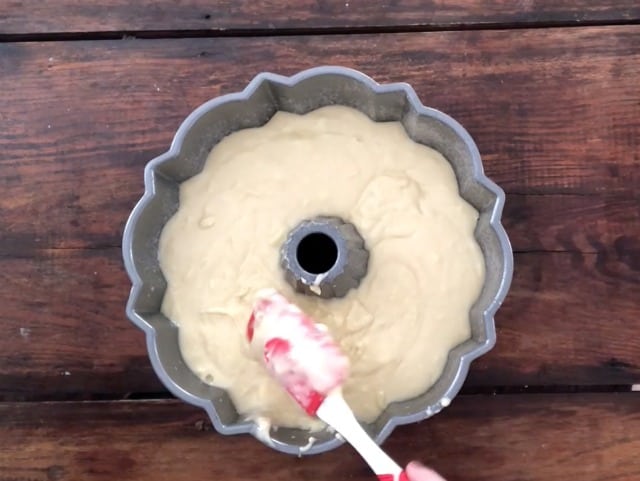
(303, 357)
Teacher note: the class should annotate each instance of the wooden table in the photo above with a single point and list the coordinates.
(550, 90)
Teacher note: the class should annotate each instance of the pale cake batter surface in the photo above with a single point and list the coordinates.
(222, 246)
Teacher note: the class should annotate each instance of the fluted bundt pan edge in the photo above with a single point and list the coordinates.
(301, 93)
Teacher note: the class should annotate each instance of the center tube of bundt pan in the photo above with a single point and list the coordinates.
(324, 256)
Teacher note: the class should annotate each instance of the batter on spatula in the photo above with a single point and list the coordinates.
(307, 363)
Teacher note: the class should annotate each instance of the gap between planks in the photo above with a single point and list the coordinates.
(298, 32)
(71, 397)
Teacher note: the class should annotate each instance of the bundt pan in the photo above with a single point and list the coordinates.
(253, 107)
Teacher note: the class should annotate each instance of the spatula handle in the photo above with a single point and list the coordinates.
(337, 413)
(389, 477)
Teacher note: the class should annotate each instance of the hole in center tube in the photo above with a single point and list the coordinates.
(317, 253)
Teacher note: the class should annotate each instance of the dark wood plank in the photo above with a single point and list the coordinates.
(574, 223)
(591, 437)
(35, 16)
(63, 328)
(570, 319)
(553, 112)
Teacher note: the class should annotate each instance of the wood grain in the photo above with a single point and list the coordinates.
(574, 223)
(570, 319)
(63, 329)
(512, 437)
(226, 16)
(553, 112)
(567, 320)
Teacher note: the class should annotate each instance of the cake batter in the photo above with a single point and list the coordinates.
(222, 246)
